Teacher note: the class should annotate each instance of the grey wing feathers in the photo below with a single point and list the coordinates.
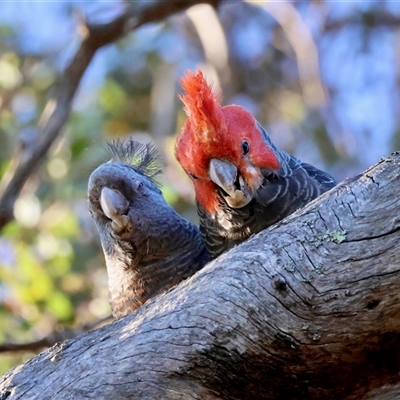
(322, 177)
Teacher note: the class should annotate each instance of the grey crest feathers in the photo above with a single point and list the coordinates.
(144, 157)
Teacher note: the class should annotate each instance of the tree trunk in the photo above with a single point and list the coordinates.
(308, 309)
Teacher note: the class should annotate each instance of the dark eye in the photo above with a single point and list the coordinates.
(245, 147)
(193, 175)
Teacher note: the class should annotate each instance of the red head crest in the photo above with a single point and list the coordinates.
(201, 106)
(215, 132)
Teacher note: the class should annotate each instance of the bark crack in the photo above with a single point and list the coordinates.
(369, 238)
(338, 219)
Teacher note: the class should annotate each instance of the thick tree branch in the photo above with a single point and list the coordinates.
(56, 113)
(307, 309)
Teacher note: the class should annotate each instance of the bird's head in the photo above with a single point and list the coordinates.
(222, 149)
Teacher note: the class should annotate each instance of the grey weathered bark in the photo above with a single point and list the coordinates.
(308, 309)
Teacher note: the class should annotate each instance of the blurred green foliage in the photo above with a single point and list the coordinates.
(52, 272)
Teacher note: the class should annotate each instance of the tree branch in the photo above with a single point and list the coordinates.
(307, 309)
(26, 161)
(53, 337)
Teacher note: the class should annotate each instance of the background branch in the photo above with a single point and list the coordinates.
(53, 337)
(26, 161)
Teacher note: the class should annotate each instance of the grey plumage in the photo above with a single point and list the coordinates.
(148, 247)
(283, 192)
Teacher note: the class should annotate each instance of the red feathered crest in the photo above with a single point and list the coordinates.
(201, 105)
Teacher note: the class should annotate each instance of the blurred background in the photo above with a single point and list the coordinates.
(323, 78)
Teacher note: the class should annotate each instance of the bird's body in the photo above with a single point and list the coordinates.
(243, 182)
(275, 200)
(148, 247)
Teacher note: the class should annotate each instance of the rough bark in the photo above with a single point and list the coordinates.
(308, 309)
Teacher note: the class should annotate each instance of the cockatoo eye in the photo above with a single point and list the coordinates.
(245, 147)
(193, 175)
